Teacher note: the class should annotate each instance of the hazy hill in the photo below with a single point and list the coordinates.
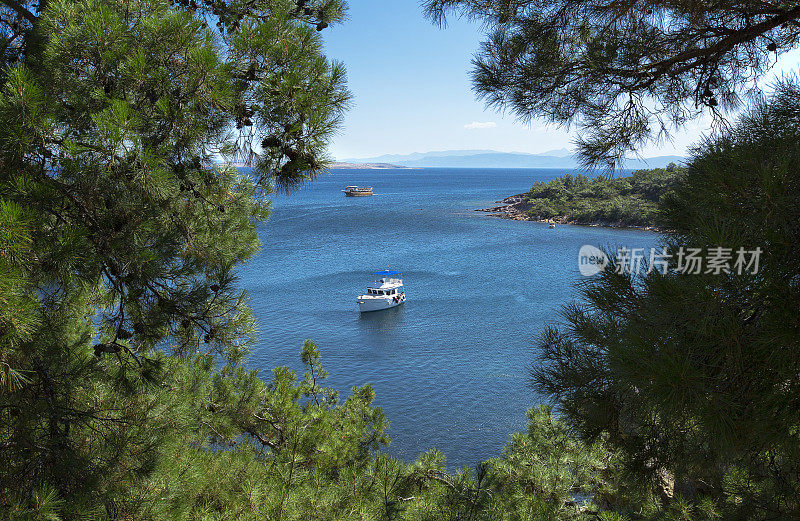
(492, 159)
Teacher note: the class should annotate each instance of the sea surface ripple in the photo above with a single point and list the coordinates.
(449, 367)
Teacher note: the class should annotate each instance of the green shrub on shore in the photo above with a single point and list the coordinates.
(622, 201)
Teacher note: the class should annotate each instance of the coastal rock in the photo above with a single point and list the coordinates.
(514, 207)
(513, 199)
(493, 209)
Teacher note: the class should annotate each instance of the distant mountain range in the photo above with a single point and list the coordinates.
(562, 158)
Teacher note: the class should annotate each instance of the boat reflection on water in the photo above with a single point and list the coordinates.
(382, 322)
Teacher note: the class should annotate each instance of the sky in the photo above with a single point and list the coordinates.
(412, 93)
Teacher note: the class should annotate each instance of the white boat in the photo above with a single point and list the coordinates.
(386, 292)
(357, 191)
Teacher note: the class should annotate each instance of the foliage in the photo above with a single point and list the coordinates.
(623, 72)
(120, 233)
(123, 393)
(535, 478)
(624, 201)
(292, 440)
(693, 377)
(233, 447)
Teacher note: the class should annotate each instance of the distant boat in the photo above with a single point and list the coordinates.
(386, 292)
(552, 225)
(357, 191)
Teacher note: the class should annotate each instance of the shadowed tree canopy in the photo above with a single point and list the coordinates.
(693, 373)
(623, 72)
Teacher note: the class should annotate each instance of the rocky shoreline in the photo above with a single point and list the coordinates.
(515, 207)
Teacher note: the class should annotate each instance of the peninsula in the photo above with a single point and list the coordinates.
(365, 166)
(621, 202)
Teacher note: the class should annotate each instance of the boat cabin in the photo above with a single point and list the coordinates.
(394, 291)
(388, 285)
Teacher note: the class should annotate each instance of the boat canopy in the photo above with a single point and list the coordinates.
(387, 273)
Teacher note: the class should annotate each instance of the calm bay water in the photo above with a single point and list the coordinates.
(450, 367)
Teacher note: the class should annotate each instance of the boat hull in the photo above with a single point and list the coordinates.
(357, 194)
(378, 304)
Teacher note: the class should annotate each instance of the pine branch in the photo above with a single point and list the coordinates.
(724, 45)
(20, 9)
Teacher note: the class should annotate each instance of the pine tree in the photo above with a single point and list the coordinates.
(120, 230)
(693, 376)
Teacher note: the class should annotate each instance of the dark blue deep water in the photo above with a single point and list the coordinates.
(450, 367)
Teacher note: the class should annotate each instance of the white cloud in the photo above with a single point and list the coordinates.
(478, 124)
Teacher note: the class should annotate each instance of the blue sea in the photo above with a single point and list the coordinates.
(450, 366)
